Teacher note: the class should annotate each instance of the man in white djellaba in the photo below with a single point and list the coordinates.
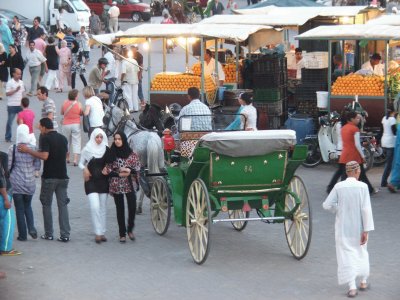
(350, 201)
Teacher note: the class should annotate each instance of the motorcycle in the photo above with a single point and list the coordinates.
(326, 145)
(378, 155)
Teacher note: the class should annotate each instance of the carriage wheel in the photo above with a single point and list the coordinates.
(238, 214)
(298, 229)
(198, 221)
(160, 208)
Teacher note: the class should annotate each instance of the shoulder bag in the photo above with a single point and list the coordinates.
(67, 111)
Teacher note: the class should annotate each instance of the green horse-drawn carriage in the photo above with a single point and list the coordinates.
(230, 174)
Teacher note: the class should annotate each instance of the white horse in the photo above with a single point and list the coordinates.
(146, 144)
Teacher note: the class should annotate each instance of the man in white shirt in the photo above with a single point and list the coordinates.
(14, 91)
(130, 80)
(113, 13)
(83, 38)
(350, 201)
(374, 65)
(209, 67)
(34, 58)
(111, 70)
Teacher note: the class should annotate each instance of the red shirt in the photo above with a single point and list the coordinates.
(27, 116)
(350, 151)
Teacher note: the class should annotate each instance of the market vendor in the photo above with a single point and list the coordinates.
(298, 53)
(209, 67)
(374, 65)
(338, 67)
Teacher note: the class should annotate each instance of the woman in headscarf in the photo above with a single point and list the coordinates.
(23, 167)
(122, 163)
(15, 60)
(5, 33)
(64, 66)
(3, 71)
(92, 163)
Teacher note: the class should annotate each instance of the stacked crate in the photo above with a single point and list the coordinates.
(312, 80)
(270, 89)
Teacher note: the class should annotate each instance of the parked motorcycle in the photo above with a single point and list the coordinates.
(326, 145)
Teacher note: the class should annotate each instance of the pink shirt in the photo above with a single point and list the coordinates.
(40, 44)
(73, 116)
(27, 116)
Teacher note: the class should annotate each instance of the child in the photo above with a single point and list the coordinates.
(26, 116)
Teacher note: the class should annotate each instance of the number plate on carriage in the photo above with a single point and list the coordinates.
(249, 171)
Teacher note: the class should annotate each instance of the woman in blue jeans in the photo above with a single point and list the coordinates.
(22, 177)
(388, 141)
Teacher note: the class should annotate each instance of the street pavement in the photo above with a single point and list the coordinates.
(253, 264)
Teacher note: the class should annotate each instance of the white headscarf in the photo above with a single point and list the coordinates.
(23, 136)
(93, 149)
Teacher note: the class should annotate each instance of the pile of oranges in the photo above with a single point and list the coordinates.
(180, 82)
(229, 70)
(196, 69)
(355, 84)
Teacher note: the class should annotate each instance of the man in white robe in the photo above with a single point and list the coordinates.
(350, 201)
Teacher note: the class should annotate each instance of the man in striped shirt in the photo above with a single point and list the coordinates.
(49, 107)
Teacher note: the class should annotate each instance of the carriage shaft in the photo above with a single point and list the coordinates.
(249, 219)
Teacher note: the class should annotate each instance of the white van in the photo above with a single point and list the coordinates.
(76, 12)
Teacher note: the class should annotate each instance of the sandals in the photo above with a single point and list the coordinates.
(122, 239)
(63, 239)
(10, 253)
(364, 286)
(352, 293)
(47, 237)
(103, 238)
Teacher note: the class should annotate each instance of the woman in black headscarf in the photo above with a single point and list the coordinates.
(121, 164)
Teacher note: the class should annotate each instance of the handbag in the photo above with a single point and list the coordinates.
(85, 124)
(66, 112)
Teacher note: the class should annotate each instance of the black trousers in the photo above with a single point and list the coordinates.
(341, 173)
(73, 76)
(119, 205)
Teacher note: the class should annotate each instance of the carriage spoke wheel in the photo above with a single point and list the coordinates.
(238, 214)
(198, 221)
(160, 208)
(298, 229)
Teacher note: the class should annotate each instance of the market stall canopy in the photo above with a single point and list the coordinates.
(286, 3)
(109, 38)
(234, 32)
(262, 19)
(386, 20)
(311, 12)
(352, 32)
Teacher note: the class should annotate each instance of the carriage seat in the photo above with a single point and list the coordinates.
(248, 143)
(188, 141)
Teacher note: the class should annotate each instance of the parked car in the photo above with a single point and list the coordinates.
(9, 15)
(131, 9)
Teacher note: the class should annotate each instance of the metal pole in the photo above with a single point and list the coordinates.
(202, 84)
(216, 54)
(237, 62)
(187, 55)
(329, 74)
(386, 72)
(343, 58)
(148, 68)
(165, 45)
